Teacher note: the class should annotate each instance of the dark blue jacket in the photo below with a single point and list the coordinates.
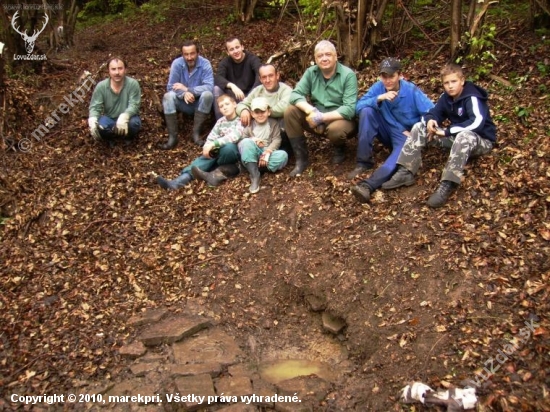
(469, 112)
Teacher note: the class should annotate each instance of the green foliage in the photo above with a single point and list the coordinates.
(480, 51)
(420, 54)
(156, 10)
(310, 10)
(543, 68)
(523, 113)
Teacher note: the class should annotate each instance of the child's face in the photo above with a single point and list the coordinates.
(453, 84)
(390, 81)
(261, 117)
(227, 108)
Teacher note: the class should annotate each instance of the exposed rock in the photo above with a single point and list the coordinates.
(212, 368)
(133, 350)
(173, 330)
(316, 303)
(141, 369)
(212, 345)
(147, 317)
(333, 323)
(200, 385)
(234, 386)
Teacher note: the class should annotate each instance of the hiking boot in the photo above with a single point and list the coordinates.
(338, 155)
(440, 196)
(402, 177)
(358, 170)
(255, 176)
(362, 192)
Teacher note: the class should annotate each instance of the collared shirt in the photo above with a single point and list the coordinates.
(337, 93)
(200, 80)
(404, 111)
(278, 100)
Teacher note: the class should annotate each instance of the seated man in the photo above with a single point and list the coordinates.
(114, 108)
(260, 145)
(278, 96)
(237, 74)
(332, 90)
(220, 147)
(471, 133)
(189, 90)
(388, 111)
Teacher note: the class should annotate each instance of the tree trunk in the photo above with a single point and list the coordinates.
(456, 16)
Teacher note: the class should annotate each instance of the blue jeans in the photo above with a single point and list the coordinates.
(371, 125)
(250, 153)
(172, 104)
(106, 126)
(228, 154)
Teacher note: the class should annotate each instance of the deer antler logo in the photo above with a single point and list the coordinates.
(29, 40)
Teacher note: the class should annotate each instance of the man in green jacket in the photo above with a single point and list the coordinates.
(114, 109)
(323, 102)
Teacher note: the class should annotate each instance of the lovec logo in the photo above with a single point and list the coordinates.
(29, 40)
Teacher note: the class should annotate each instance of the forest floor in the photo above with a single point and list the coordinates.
(89, 240)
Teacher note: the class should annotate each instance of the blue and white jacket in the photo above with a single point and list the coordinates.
(468, 112)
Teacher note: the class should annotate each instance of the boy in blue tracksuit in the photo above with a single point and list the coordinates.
(388, 111)
(471, 133)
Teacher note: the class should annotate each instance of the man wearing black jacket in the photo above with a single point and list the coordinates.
(237, 74)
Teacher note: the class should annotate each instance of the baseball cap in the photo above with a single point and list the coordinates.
(390, 65)
(259, 103)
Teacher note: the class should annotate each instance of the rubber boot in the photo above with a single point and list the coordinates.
(339, 154)
(198, 121)
(175, 184)
(255, 176)
(217, 176)
(299, 147)
(172, 126)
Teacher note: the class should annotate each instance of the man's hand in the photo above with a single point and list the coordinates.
(264, 159)
(94, 128)
(121, 127)
(245, 117)
(314, 118)
(188, 97)
(391, 95)
(208, 146)
(179, 86)
(239, 94)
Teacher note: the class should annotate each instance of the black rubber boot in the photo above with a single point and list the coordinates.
(299, 147)
(255, 176)
(175, 184)
(198, 121)
(217, 176)
(440, 196)
(172, 126)
(339, 155)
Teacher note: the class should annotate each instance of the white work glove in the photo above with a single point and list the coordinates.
(94, 128)
(121, 127)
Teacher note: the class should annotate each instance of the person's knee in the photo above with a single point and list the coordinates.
(366, 114)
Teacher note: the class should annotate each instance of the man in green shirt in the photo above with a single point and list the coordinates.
(323, 102)
(114, 109)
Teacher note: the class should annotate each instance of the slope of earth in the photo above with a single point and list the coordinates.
(428, 295)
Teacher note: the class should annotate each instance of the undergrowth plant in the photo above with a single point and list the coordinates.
(480, 51)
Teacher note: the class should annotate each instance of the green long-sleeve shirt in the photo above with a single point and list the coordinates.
(278, 100)
(106, 102)
(338, 93)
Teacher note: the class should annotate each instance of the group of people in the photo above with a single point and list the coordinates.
(256, 112)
